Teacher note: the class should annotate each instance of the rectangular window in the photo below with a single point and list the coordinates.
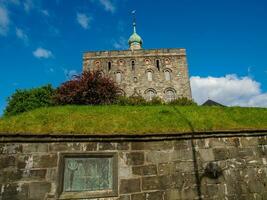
(88, 175)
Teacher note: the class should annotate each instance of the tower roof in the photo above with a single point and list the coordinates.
(135, 41)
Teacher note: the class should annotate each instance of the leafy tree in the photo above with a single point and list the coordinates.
(29, 99)
(89, 88)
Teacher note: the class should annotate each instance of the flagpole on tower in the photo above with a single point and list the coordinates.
(134, 20)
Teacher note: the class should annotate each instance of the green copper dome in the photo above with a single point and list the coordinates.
(135, 38)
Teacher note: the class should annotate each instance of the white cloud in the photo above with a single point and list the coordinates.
(45, 12)
(28, 5)
(108, 5)
(70, 73)
(83, 20)
(120, 44)
(229, 90)
(42, 53)
(22, 35)
(4, 21)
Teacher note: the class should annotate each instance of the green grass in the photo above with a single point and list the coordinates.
(98, 120)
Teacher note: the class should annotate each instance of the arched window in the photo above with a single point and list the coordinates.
(133, 65)
(118, 77)
(120, 92)
(157, 65)
(149, 75)
(150, 94)
(167, 75)
(109, 66)
(169, 95)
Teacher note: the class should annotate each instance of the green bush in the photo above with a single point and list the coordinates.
(131, 101)
(155, 101)
(183, 101)
(29, 99)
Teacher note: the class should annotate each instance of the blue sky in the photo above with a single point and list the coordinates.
(42, 41)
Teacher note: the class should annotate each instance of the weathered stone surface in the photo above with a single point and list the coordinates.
(89, 146)
(125, 197)
(130, 186)
(38, 190)
(10, 175)
(220, 153)
(107, 146)
(145, 170)
(155, 182)
(10, 148)
(64, 146)
(7, 161)
(134, 78)
(45, 161)
(135, 158)
(38, 147)
(14, 192)
(123, 146)
(156, 146)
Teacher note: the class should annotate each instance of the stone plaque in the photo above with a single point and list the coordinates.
(88, 174)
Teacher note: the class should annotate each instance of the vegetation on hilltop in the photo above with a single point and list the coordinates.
(89, 88)
(114, 119)
(26, 100)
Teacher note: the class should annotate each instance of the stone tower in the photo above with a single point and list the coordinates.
(145, 72)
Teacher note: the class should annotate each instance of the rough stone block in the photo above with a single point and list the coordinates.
(45, 161)
(145, 170)
(184, 166)
(181, 144)
(57, 147)
(220, 153)
(10, 148)
(7, 161)
(14, 192)
(38, 190)
(35, 147)
(157, 157)
(106, 146)
(164, 168)
(156, 182)
(123, 146)
(129, 186)
(10, 175)
(89, 146)
(135, 158)
(155, 146)
(125, 197)
(206, 155)
(183, 155)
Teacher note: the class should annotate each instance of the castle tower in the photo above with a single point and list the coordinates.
(147, 72)
(135, 41)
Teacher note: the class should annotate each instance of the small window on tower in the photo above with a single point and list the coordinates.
(167, 75)
(149, 76)
(109, 66)
(118, 77)
(133, 65)
(157, 65)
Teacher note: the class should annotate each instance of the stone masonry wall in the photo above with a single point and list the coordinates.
(135, 80)
(147, 170)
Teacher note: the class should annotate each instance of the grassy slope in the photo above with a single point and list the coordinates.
(133, 119)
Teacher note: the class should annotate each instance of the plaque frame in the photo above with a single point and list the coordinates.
(87, 194)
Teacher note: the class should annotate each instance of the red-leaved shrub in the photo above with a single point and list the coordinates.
(89, 88)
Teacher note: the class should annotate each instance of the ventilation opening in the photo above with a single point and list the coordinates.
(157, 65)
(109, 66)
(133, 65)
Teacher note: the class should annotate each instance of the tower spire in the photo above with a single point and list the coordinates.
(134, 21)
(135, 41)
